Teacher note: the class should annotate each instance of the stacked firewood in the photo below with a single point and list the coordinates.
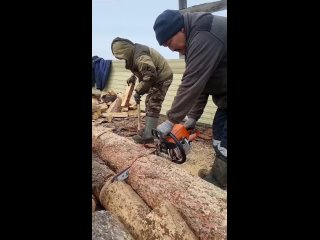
(114, 105)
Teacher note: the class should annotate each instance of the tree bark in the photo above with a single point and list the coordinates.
(118, 152)
(202, 205)
(100, 175)
(165, 223)
(107, 226)
(120, 199)
(94, 203)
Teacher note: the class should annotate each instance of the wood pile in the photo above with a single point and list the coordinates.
(158, 200)
(111, 105)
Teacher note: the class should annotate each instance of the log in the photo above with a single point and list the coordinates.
(115, 114)
(109, 96)
(100, 175)
(94, 204)
(103, 107)
(164, 222)
(96, 114)
(127, 95)
(202, 205)
(134, 113)
(115, 106)
(107, 226)
(95, 106)
(120, 199)
(132, 107)
(107, 145)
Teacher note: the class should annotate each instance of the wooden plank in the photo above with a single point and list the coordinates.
(115, 106)
(127, 95)
(116, 114)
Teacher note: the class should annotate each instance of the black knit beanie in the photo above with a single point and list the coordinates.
(167, 25)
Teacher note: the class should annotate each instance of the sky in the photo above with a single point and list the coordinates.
(133, 20)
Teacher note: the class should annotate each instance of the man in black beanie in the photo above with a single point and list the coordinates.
(202, 38)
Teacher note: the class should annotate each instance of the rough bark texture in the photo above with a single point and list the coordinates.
(165, 223)
(106, 226)
(202, 205)
(100, 174)
(118, 152)
(93, 203)
(120, 199)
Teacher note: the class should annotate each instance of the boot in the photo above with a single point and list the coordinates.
(146, 137)
(218, 173)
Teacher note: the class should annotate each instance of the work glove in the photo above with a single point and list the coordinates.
(137, 97)
(190, 123)
(132, 80)
(165, 128)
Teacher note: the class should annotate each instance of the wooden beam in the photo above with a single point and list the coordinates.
(127, 95)
(207, 7)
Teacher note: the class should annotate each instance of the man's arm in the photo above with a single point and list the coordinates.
(197, 109)
(203, 57)
(148, 72)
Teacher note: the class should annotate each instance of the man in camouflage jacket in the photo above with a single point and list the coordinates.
(154, 75)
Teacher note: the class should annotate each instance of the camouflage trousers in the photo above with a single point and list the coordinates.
(155, 98)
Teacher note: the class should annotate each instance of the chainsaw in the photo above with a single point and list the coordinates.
(177, 144)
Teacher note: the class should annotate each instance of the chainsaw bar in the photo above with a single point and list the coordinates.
(121, 175)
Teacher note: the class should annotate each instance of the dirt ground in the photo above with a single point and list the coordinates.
(200, 157)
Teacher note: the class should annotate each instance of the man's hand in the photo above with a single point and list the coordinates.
(165, 128)
(132, 80)
(190, 123)
(137, 97)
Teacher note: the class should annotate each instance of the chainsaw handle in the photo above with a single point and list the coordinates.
(194, 135)
(183, 154)
(155, 133)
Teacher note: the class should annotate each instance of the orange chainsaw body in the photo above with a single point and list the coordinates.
(180, 132)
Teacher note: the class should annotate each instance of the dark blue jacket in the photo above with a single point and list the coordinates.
(100, 72)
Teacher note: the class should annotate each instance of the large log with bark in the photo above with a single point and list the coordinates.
(108, 146)
(94, 203)
(202, 205)
(164, 222)
(106, 225)
(120, 199)
(100, 175)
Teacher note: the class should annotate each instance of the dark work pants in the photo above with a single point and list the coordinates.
(219, 127)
